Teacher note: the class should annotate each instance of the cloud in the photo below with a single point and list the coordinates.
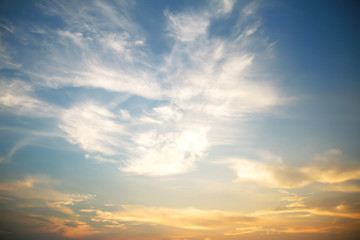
(177, 100)
(16, 96)
(46, 209)
(333, 166)
(64, 227)
(226, 7)
(330, 167)
(338, 215)
(295, 214)
(92, 127)
(6, 59)
(157, 151)
(40, 188)
(215, 75)
(190, 26)
(277, 231)
(188, 218)
(12, 186)
(348, 186)
(299, 215)
(187, 27)
(165, 154)
(342, 205)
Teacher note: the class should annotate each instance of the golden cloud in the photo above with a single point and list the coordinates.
(186, 218)
(330, 167)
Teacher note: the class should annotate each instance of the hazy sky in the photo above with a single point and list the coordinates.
(180, 120)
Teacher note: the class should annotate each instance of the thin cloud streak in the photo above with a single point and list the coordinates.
(189, 218)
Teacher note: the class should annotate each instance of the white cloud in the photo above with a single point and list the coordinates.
(92, 127)
(203, 84)
(205, 81)
(227, 6)
(77, 37)
(169, 153)
(162, 151)
(166, 113)
(215, 76)
(16, 96)
(124, 114)
(132, 81)
(187, 27)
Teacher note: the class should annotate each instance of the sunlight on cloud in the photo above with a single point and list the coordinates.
(92, 127)
(330, 167)
(70, 228)
(189, 218)
(40, 188)
(36, 195)
(311, 207)
(206, 79)
(15, 185)
(170, 153)
(333, 166)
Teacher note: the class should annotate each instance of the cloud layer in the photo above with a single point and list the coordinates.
(161, 111)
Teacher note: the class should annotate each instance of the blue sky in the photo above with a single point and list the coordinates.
(179, 119)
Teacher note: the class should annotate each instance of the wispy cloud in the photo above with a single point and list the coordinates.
(92, 127)
(187, 27)
(16, 96)
(304, 214)
(188, 93)
(189, 218)
(40, 188)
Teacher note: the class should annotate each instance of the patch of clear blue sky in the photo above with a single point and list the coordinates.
(317, 42)
(318, 57)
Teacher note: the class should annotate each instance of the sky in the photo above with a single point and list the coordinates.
(180, 120)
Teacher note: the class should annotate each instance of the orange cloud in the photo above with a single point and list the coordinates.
(187, 218)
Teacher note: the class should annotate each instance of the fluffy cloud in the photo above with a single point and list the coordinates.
(170, 153)
(164, 150)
